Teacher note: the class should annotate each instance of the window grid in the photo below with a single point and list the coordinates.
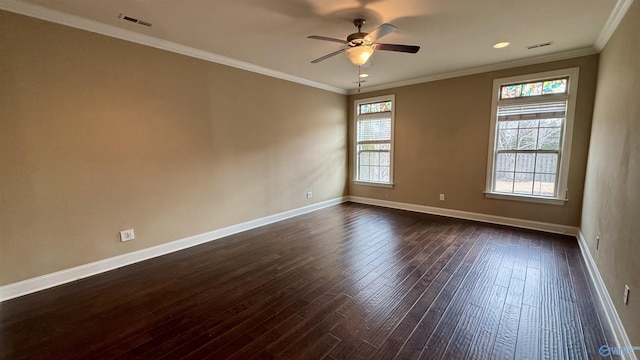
(544, 188)
(517, 180)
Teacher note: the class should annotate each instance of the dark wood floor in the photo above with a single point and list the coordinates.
(346, 282)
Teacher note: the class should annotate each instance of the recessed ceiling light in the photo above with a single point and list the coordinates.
(501, 45)
(363, 75)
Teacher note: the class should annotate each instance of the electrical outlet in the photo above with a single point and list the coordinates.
(441, 197)
(597, 242)
(309, 194)
(625, 298)
(127, 235)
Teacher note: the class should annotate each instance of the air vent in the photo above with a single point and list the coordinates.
(134, 20)
(539, 45)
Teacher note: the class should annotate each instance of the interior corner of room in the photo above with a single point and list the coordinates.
(100, 135)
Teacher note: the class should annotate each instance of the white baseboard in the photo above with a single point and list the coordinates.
(458, 214)
(622, 340)
(28, 286)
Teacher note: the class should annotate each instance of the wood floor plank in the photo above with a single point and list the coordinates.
(531, 291)
(528, 342)
(319, 349)
(592, 328)
(483, 342)
(349, 281)
(461, 339)
(481, 345)
(506, 337)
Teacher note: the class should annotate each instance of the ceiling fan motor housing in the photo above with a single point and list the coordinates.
(356, 39)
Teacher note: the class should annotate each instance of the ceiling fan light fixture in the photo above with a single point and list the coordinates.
(358, 55)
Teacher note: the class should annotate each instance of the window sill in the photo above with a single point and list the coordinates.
(367, 183)
(525, 198)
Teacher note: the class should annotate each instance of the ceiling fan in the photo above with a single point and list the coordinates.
(360, 45)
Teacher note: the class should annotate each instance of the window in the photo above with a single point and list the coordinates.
(374, 141)
(530, 139)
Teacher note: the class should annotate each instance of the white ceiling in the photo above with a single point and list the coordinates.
(454, 35)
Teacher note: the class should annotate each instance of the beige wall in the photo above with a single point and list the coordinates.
(99, 135)
(442, 137)
(612, 187)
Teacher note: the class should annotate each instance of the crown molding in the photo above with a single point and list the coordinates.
(481, 69)
(55, 16)
(59, 17)
(616, 16)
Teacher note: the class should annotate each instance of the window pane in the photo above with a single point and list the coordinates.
(385, 159)
(363, 173)
(374, 129)
(555, 86)
(527, 139)
(532, 89)
(523, 183)
(375, 159)
(364, 158)
(551, 123)
(503, 182)
(544, 185)
(549, 139)
(374, 165)
(386, 147)
(525, 162)
(508, 125)
(528, 124)
(506, 162)
(511, 91)
(507, 139)
(384, 106)
(547, 163)
(374, 173)
(384, 174)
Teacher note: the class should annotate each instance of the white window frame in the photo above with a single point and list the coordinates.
(562, 192)
(357, 117)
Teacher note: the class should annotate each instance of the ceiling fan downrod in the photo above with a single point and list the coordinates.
(359, 36)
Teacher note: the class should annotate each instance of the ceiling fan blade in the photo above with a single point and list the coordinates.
(317, 37)
(328, 56)
(380, 31)
(396, 47)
